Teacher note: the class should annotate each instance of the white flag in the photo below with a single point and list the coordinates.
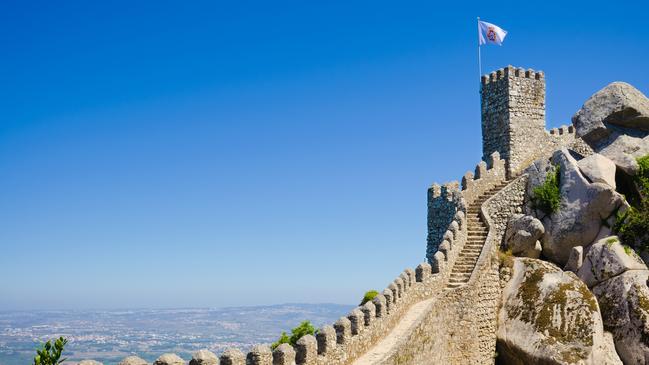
(489, 33)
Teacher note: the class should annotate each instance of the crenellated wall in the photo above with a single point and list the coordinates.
(444, 201)
(513, 119)
(461, 326)
(354, 334)
(487, 175)
(456, 325)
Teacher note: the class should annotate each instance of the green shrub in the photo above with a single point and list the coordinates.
(369, 296)
(547, 196)
(282, 339)
(304, 328)
(50, 354)
(642, 178)
(633, 226)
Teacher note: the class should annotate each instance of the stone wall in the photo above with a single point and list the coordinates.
(458, 327)
(461, 326)
(352, 335)
(513, 119)
(487, 175)
(513, 115)
(443, 202)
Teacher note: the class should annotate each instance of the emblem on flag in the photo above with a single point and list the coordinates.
(490, 33)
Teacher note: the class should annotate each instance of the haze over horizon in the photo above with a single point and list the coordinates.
(210, 155)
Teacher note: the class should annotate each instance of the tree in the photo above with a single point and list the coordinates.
(50, 354)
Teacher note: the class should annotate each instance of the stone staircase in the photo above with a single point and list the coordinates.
(476, 235)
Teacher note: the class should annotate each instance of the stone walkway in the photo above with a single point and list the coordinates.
(477, 234)
(460, 274)
(399, 333)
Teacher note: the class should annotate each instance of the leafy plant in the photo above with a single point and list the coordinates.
(304, 328)
(283, 338)
(642, 178)
(632, 226)
(547, 196)
(50, 354)
(369, 296)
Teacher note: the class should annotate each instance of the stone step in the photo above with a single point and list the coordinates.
(461, 266)
(466, 261)
(475, 253)
(471, 249)
(459, 279)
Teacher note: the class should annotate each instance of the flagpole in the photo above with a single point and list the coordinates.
(479, 55)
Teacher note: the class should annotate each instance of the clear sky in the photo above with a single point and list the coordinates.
(183, 154)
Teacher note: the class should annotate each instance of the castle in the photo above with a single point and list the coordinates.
(444, 311)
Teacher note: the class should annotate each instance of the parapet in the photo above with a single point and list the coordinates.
(511, 71)
(564, 129)
(347, 339)
(486, 176)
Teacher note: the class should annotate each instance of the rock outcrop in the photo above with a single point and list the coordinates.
(607, 258)
(624, 303)
(522, 236)
(583, 209)
(615, 123)
(598, 169)
(575, 260)
(549, 317)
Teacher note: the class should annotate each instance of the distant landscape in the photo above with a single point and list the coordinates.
(110, 335)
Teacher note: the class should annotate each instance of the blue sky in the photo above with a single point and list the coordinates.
(204, 154)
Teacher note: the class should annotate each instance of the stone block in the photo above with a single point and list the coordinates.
(380, 305)
(232, 356)
(168, 359)
(260, 355)
(306, 350)
(357, 320)
(284, 354)
(326, 338)
(204, 357)
(423, 272)
(369, 313)
(343, 328)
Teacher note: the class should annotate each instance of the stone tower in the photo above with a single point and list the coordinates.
(513, 116)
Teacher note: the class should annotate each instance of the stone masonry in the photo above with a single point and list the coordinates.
(513, 115)
(453, 297)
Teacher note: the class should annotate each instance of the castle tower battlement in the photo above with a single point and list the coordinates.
(513, 116)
